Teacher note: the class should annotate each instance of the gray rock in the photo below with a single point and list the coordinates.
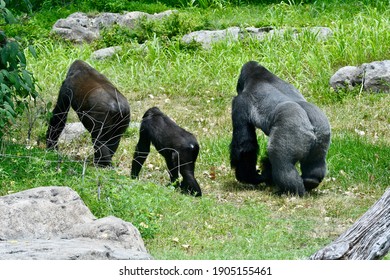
(257, 33)
(348, 76)
(105, 20)
(321, 33)
(129, 19)
(77, 28)
(374, 76)
(72, 131)
(105, 53)
(207, 37)
(377, 76)
(162, 14)
(66, 249)
(54, 223)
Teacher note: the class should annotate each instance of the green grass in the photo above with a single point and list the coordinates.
(195, 87)
(354, 159)
(174, 226)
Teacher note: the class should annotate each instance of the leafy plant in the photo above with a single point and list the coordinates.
(17, 85)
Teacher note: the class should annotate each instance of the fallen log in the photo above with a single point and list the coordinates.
(367, 239)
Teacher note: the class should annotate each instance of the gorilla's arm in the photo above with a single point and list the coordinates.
(244, 147)
(141, 152)
(187, 160)
(59, 117)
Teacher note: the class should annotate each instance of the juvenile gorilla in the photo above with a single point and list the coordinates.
(102, 109)
(179, 148)
(297, 131)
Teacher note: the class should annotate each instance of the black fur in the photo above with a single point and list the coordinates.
(102, 109)
(179, 148)
(298, 132)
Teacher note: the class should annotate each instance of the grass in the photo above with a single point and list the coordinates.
(195, 88)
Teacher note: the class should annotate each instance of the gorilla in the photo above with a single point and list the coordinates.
(102, 109)
(297, 131)
(179, 148)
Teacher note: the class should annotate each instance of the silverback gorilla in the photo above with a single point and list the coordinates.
(179, 148)
(102, 109)
(297, 131)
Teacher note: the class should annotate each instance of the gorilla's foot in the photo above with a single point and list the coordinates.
(310, 183)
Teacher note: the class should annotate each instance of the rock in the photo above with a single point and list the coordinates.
(321, 33)
(76, 28)
(374, 76)
(105, 20)
(79, 27)
(377, 76)
(261, 33)
(72, 131)
(105, 53)
(257, 33)
(162, 14)
(129, 19)
(348, 76)
(207, 37)
(53, 223)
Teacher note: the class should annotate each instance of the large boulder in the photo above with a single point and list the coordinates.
(77, 27)
(374, 76)
(53, 223)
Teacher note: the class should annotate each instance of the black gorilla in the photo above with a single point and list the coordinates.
(298, 132)
(179, 148)
(102, 109)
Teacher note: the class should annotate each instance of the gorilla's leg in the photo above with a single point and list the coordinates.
(290, 140)
(313, 171)
(246, 169)
(115, 130)
(141, 152)
(243, 154)
(112, 144)
(314, 165)
(286, 176)
(244, 147)
(183, 161)
(172, 161)
(94, 122)
(189, 185)
(100, 139)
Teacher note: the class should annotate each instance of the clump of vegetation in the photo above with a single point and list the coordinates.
(145, 29)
